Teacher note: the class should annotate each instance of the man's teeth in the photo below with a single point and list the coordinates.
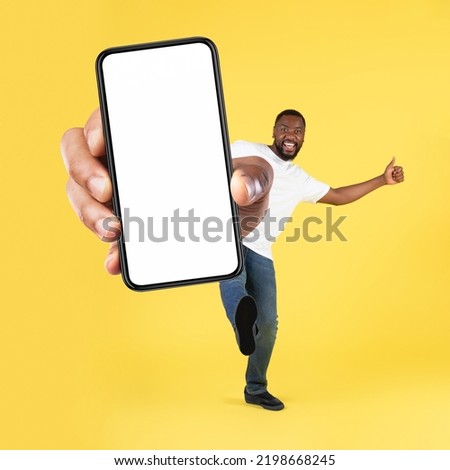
(289, 145)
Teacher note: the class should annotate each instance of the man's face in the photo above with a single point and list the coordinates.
(288, 134)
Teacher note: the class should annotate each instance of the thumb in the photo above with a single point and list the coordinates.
(245, 188)
(391, 165)
(251, 180)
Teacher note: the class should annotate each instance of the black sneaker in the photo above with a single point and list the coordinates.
(264, 399)
(245, 318)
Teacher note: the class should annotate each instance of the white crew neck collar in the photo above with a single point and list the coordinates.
(277, 159)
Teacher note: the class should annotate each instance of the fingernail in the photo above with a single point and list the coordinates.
(93, 137)
(250, 186)
(96, 185)
(100, 228)
(108, 229)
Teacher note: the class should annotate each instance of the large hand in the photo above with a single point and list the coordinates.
(89, 186)
(250, 186)
(393, 174)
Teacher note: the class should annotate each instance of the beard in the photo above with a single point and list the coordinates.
(287, 155)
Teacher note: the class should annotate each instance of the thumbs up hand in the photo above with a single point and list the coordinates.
(393, 174)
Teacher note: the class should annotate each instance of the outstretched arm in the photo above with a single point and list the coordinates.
(346, 194)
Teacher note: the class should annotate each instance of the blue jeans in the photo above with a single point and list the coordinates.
(257, 279)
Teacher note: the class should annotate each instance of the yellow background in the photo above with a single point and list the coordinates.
(363, 355)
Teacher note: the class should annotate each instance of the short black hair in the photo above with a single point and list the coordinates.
(290, 112)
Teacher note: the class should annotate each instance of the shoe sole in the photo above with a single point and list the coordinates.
(245, 319)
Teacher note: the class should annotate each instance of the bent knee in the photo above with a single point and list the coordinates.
(267, 326)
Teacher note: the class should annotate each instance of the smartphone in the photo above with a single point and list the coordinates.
(168, 154)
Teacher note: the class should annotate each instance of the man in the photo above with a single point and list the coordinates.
(265, 183)
(250, 298)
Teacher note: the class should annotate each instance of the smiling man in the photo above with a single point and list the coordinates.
(250, 298)
(288, 134)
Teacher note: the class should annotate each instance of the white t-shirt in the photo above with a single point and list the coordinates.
(291, 185)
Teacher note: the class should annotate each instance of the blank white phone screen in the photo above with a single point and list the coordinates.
(170, 164)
